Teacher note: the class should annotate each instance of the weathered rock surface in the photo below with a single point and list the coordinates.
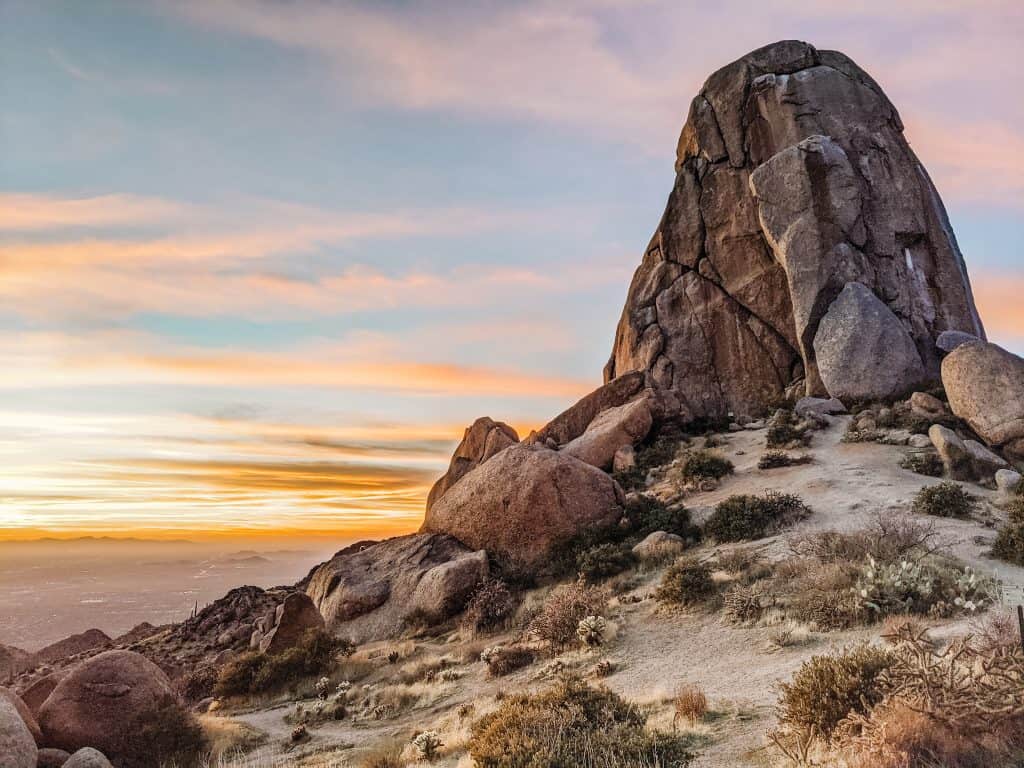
(612, 429)
(293, 618)
(793, 179)
(26, 714)
(523, 502)
(928, 406)
(17, 747)
(985, 387)
(484, 438)
(573, 421)
(952, 451)
(70, 646)
(36, 693)
(367, 594)
(819, 405)
(863, 351)
(1007, 481)
(658, 545)
(985, 462)
(88, 758)
(102, 704)
(950, 340)
(53, 758)
(624, 459)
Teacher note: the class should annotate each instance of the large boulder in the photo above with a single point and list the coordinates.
(524, 502)
(611, 430)
(296, 616)
(36, 693)
(985, 387)
(574, 420)
(863, 351)
(372, 592)
(484, 438)
(17, 747)
(793, 179)
(26, 714)
(118, 702)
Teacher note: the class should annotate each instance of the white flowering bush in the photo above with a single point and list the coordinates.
(341, 691)
(591, 630)
(322, 686)
(427, 744)
(922, 586)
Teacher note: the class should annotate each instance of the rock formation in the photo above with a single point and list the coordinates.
(484, 438)
(292, 619)
(793, 180)
(985, 387)
(17, 747)
(84, 641)
(370, 592)
(523, 502)
(27, 716)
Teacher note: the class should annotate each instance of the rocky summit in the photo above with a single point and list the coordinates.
(793, 181)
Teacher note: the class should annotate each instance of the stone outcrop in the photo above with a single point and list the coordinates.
(484, 438)
(370, 593)
(104, 702)
(793, 179)
(985, 387)
(611, 430)
(573, 421)
(525, 501)
(89, 640)
(293, 618)
(17, 747)
(37, 692)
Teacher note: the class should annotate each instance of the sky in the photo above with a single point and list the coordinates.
(264, 261)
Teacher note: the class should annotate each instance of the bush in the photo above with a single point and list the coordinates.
(925, 586)
(657, 454)
(491, 607)
(743, 605)
(647, 514)
(686, 582)
(690, 703)
(562, 612)
(503, 660)
(568, 726)
(256, 672)
(776, 459)
(704, 465)
(1009, 543)
(827, 689)
(947, 499)
(784, 431)
(198, 684)
(926, 463)
(604, 561)
(754, 517)
(165, 735)
(887, 538)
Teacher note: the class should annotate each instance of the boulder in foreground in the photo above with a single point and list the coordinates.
(17, 747)
(524, 502)
(482, 439)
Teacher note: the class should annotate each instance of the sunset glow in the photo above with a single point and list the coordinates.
(263, 263)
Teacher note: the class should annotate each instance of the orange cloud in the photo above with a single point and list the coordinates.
(20, 212)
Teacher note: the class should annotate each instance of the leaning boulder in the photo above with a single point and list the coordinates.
(17, 747)
(296, 616)
(370, 593)
(950, 340)
(484, 438)
(524, 502)
(863, 351)
(26, 714)
(612, 429)
(118, 702)
(573, 421)
(955, 457)
(985, 387)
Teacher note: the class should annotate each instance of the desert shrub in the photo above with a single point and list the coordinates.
(887, 538)
(998, 629)
(661, 451)
(925, 463)
(198, 684)
(704, 465)
(491, 607)
(744, 604)
(826, 689)
(604, 561)
(256, 672)
(647, 514)
(561, 613)
(571, 726)
(591, 630)
(785, 431)
(427, 744)
(896, 625)
(739, 559)
(754, 517)
(930, 586)
(947, 499)
(689, 703)
(166, 734)
(504, 659)
(1009, 543)
(686, 582)
(776, 459)
(821, 594)
(386, 756)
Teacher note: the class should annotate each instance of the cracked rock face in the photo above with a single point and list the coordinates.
(793, 179)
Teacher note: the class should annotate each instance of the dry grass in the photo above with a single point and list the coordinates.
(689, 703)
(229, 737)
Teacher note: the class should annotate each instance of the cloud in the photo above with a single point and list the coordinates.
(29, 213)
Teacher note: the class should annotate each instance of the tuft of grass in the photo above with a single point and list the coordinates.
(689, 703)
(947, 499)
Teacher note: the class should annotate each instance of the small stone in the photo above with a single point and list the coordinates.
(919, 441)
(950, 340)
(953, 452)
(734, 427)
(752, 425)
(659, 544)
(927, 406)
(1007, 481)
(819, 405)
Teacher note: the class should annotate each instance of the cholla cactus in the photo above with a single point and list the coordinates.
(341, 691)
(449, 675)
(591, 630)
(489, 653)
(322, 685)
(427, 744)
